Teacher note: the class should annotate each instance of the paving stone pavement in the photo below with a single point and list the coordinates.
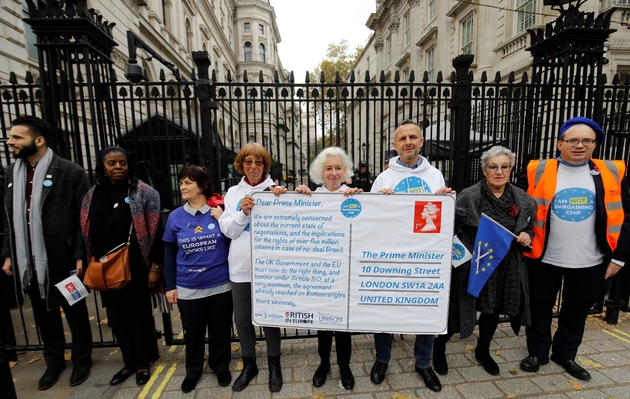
(605, 353)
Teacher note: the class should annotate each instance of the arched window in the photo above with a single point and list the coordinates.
(189, 36)
(248, 51)
(261, 51)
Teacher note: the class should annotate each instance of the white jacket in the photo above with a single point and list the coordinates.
(423, 179)
(235, 225)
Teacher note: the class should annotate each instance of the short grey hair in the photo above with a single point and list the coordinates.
(316, 170)
(495, 152)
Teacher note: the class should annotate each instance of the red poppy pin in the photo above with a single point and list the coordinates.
(513, 210)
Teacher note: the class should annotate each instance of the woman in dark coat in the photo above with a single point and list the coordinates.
(117, 201)
(507, 289)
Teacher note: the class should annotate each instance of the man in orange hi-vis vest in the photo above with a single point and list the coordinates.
(581, 238)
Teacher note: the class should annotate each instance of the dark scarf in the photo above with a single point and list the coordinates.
(502, 292)
(110, 217)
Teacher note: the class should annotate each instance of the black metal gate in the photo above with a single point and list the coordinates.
(168, 124)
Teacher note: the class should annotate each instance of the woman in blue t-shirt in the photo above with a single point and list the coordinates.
(197, 278)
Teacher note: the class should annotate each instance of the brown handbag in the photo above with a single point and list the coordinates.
(112, 274)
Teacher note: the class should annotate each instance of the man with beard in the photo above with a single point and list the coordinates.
(43, 245)
(409, 172)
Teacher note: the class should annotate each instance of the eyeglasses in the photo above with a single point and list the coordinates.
(249, 162)
(586, 142)
(494, 168)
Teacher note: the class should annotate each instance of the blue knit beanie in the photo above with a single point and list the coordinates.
(580, 120)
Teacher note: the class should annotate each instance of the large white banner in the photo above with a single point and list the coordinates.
(371, 262)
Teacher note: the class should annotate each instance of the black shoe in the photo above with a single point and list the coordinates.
(347, 379)
(80, 373)
(377, 375)
(430, 379)
(275, 373)
(224, 377)
(189, 384)
(142, 377)
(439, 359)
(250, 370)
(319, 378)
(533, 363)
(50, 377)
(121, 376)
(487, 361)
(571, 367)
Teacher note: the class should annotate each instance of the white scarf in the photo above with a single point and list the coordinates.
(25, 254)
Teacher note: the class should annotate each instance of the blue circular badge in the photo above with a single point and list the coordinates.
(458, 251)
(351, 208)
(573, 204)
(47, 183)
(211, 226)
(127, 199)
(414, 185)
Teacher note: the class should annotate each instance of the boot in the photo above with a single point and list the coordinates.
(250, 370)
(347, 379)
(439, 355)
(275, 374)
(319, 378)
(482, 353)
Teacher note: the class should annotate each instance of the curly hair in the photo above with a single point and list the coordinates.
(317, 166)
(495, 152)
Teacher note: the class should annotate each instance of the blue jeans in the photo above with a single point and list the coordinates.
(421, 351)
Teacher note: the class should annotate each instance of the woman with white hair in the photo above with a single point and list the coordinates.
(330, 169)
(507, 290)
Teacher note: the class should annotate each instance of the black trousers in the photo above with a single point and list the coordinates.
(343, 345)
(579, 293)
(51, 329)
(213, 313)
(131, 319)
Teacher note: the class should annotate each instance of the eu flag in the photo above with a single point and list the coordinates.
(491, 245)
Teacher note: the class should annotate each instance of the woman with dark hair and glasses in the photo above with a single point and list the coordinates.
(120, 201)
(197, 277)
(507, 290)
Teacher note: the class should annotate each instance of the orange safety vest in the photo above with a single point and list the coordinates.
(541, 179)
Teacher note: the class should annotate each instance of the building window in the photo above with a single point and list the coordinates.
(189, 36)
(252, 139)
(261, 52)
(261, 29)
(166, 13)
(407, 28)
(248, 51)
(406, 75)
(431, 63)
(31, 39)
(389, 50)
(627, 2)
(525, 14)
(432, 11)
(467, 35)
(247, 27)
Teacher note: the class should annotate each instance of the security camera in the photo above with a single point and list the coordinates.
(134, 73)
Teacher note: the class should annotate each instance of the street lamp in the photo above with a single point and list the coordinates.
(364, 146)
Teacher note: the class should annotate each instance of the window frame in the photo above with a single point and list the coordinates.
(247, 27)
(261, 53)
(407, 28)
(525, 14)
(431, 63)
(467, 35)
(248, 45)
